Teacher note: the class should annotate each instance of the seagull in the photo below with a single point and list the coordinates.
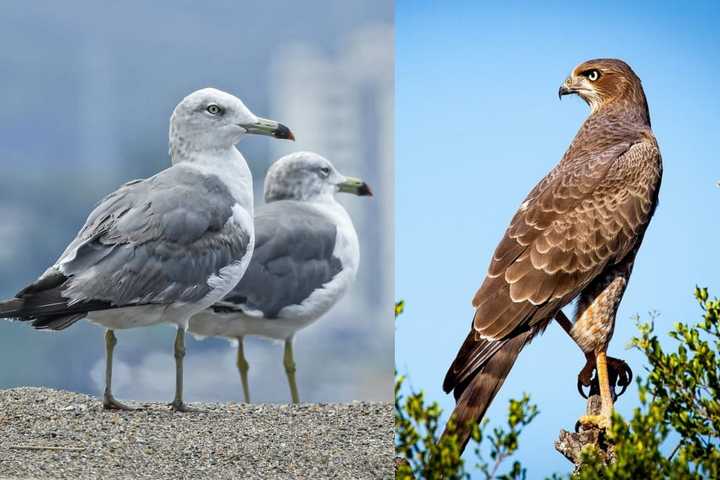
(306, 257)
(161, 249)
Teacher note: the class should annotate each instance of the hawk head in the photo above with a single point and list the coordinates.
(603, 81)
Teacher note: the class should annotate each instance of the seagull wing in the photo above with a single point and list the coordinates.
(153, 241)
(294, 257)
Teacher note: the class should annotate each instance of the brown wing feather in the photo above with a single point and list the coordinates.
(565, 244)
(586, 214)
(476, 394)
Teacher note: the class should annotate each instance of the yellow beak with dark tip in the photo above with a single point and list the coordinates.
(271, 128)
(355, 186)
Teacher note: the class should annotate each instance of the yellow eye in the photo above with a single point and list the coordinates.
(593, 75)
(214, 109)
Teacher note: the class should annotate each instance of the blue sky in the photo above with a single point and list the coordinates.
(479, 123)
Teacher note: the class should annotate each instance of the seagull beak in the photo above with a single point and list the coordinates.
(355, 186)
(566, 88)
(271, 128)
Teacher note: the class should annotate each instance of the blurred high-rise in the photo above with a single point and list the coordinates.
(341, 106)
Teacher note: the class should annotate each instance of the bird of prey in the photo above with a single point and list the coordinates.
(163, 248)
(574, 237)
(306, 257)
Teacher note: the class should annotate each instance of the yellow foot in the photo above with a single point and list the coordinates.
(593, 421)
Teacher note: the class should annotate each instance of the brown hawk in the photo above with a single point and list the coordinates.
(575, 236)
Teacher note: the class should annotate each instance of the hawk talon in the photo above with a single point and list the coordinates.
(581, 389)
(619, 373)
(587, 378)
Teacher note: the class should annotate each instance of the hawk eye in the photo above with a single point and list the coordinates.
(213, 109)
(324, 171)
(593, 75)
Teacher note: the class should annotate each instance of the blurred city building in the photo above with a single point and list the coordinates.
(341, 106)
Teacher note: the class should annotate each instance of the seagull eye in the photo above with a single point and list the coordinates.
(213, 109)
(593, 75)
(324, 171)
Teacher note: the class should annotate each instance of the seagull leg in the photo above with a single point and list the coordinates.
(109, 402)
(289, 363)
(178, 405)
(243, 366)
(602, 420)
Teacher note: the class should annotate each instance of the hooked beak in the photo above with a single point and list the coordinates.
(271, 128)
(566, 88)
(355, 186)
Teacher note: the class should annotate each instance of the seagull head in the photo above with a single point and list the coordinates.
(210, 119)
(602, 81)
(306, 176)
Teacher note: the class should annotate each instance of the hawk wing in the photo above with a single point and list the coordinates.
(588, 213)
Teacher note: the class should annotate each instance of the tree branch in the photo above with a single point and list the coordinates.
(571, 444)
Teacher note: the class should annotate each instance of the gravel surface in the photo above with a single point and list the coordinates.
(48, 433)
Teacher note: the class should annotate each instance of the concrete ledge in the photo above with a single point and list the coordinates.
(47, 433)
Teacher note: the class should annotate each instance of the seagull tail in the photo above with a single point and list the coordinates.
(42, 316)
(48, 310)
(11, 308)
(60, 322)
(42, 304)
(475, 394)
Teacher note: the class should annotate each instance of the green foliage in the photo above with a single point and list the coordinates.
(417, 439)
(675, 433)
(399, 308)
(431, 455)
(503, 444)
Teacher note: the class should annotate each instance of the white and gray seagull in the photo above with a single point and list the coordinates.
(306, 257)
(163, 248)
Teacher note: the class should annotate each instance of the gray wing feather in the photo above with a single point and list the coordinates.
(293, 257)
(155, 241)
